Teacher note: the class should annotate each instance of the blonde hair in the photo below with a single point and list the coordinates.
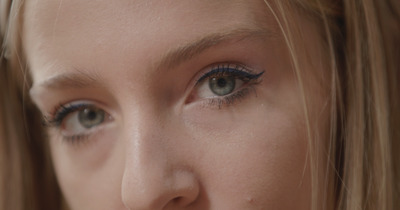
(27, 180)
(363, 160)
(363, 40)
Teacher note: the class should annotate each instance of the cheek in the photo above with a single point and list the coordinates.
(255, 156)
(87, 173)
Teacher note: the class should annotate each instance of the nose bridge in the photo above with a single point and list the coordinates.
(152, 177)
(145, 162)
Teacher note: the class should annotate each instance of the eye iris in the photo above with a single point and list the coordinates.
(222, 85)
(90, 117)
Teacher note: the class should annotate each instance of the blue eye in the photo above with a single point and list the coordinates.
(90, 117)
(77, 120)
(223, 84)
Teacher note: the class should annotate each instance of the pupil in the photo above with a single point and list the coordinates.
(221, 82)
(91, 115)
(223, 85)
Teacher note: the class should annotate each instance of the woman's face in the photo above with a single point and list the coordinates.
(174, 104)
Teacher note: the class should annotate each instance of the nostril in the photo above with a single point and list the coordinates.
(177, 200)
(182, 201)
(179, 188)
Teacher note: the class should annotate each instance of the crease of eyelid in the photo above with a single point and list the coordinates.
(172, 58)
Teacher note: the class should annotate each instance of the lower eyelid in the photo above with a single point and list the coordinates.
(76, 138)
(231, 99)
(83, 138)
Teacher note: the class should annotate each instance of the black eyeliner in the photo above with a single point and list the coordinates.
(231, 71)
(236, 71)
(62, 112)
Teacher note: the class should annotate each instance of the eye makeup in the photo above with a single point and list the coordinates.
(62, 111)
(239, 77)
(77, 121)
(236, 70)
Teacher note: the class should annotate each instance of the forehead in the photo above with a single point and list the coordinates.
(140, 13)
(73, 30)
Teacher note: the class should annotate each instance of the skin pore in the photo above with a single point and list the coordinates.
(126, 88)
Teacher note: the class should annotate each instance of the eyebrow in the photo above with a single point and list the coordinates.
(170, 59)
(183, 53)
(78, 79)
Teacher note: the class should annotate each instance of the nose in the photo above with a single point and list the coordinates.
(155, 177)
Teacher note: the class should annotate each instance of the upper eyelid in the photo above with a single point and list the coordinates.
(233, 68)
(71, 107)
(214, 66)
(53, 118)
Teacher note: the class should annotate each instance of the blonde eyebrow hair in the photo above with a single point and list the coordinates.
(170, 59)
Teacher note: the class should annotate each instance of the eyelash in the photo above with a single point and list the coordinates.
(228, 100)
(238, 72)
(60, 114)
(76, 139)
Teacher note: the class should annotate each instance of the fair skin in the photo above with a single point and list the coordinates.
(160, 138)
